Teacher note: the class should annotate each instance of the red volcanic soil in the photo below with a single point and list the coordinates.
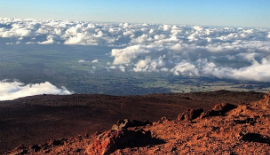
(65, 122)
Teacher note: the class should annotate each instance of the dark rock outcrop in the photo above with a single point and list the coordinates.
(190, 114)
(107, 142)
(219, 109)
(125, 123)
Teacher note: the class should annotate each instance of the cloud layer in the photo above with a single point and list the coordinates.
(222, 52)
(15, 89)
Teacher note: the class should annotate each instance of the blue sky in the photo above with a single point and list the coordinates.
(247, 13)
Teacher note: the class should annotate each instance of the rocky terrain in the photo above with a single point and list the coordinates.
(219, 122)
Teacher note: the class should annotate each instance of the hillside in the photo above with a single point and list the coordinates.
(61, 124)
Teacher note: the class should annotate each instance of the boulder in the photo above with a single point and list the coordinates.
(190, 114)
(219, 110)
(125, 123)
(109, 141)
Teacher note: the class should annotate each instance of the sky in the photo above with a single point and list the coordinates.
(245, 13)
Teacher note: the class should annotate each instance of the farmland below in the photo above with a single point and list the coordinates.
(89, 69)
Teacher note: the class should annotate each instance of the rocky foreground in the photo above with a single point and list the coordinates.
(226, 129)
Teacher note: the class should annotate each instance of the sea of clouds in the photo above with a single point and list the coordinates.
(223, 52)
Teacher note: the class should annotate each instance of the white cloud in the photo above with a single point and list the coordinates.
(186, 69)
(198, 28)
(255, 72)
(15, 89)
(76, 39)
(112, 67)
(95, 61)
(125, 34)
(82, 61)
(48, 41)
(122, 68)
(149, 65)
(123, 56)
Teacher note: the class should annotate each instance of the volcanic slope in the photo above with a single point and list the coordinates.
(225, 129)
(65, 122)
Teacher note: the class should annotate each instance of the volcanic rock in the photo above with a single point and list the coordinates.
(190, 114)
(125, 123)
(107, 142)
(219, 109)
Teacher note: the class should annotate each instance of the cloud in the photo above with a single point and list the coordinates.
(82, 61)
(76, 39)
(255, 72)
(186, 69)
(150, 65)
(48, 41)
(125, 34)
(122, 68)
(222, 52)
(95, 61)
(125, 55)
(15, 89)
(203, 68)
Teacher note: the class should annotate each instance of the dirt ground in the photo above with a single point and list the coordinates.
(40, 119)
